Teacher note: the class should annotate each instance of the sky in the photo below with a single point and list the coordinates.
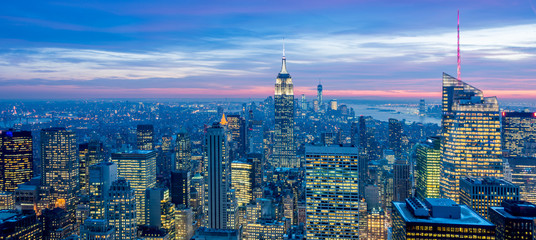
(232, 49)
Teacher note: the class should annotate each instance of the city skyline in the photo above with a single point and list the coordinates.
(210, 49)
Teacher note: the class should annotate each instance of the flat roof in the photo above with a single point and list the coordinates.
(502, 212)
(332, 149)
(468, 217)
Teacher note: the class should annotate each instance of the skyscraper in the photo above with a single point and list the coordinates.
(16, 159)
(319, 94)
(284, 150)
(139, 168)
(90, 153)
(218, 179)
(180, 188)
(183, 151)
(471, 135)
(101, 177)
(514, 220)
(482, 193)
(331, 192)
(427, 169)
(145, 137)
(60, 166)
(519, 133)
(237, 128)
(395, 137)
(242, 181)
(401, 181)
(121, 212)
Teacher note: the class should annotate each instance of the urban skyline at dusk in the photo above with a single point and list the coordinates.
(361, 49)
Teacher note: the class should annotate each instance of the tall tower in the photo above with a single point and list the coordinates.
(395, 137)
(471, 136)
(101, 177)
(59, 156)
(284, 152)
(121, 212)
(139, 168)
(16, 159)
(145, 137)
(183, 151)
(319, 93)
(332, 178)
(218, 178)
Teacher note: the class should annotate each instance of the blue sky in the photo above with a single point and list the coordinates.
(103, 49)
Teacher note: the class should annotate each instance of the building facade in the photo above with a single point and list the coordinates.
(438, 218)
(513, 220)
(219, 203)
(16, 159)
(145, 137)
(519, 133)
(427, 169)
(284, 149)
(121, 212)
(60, 166)
(332, 197)
(482, 193)
(139, 168)
(471, 135)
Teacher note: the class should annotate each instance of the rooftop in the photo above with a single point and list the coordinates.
(467, 216)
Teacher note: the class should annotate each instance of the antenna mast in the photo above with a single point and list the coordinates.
(458, 70)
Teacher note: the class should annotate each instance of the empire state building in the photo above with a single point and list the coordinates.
(284, 151)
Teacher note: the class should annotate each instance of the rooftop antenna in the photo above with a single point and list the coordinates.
(283, 47)
(459, 61)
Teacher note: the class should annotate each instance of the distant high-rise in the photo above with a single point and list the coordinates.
(513, 220)
(183, 151)
(332, 199)
(89, 154)
(145, 137)
(471, 135)
(395, 137)
(180, 188)
(303, 103)
(524, 175)
(422, 108)
(242, 181)
(257, 163)
(319, 94)
(401, 181)
(121, 212)
(97, 229)
(139, 168)
(219, 203)
(427, 169)
(237, 128)
(101, 177)
(56, 224)
(60, 166)
(16, 159)
(256, 137)
(482, 193)
(16, 225)
(519, 133)
(284, 149)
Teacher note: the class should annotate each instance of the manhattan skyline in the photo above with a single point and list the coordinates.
(136, 49)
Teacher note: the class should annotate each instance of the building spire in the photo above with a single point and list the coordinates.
(459, 61)
(223, 121)
(284, 61)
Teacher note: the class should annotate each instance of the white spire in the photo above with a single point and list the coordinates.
(284, 63)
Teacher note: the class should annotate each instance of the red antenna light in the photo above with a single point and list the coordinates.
(459, 61)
